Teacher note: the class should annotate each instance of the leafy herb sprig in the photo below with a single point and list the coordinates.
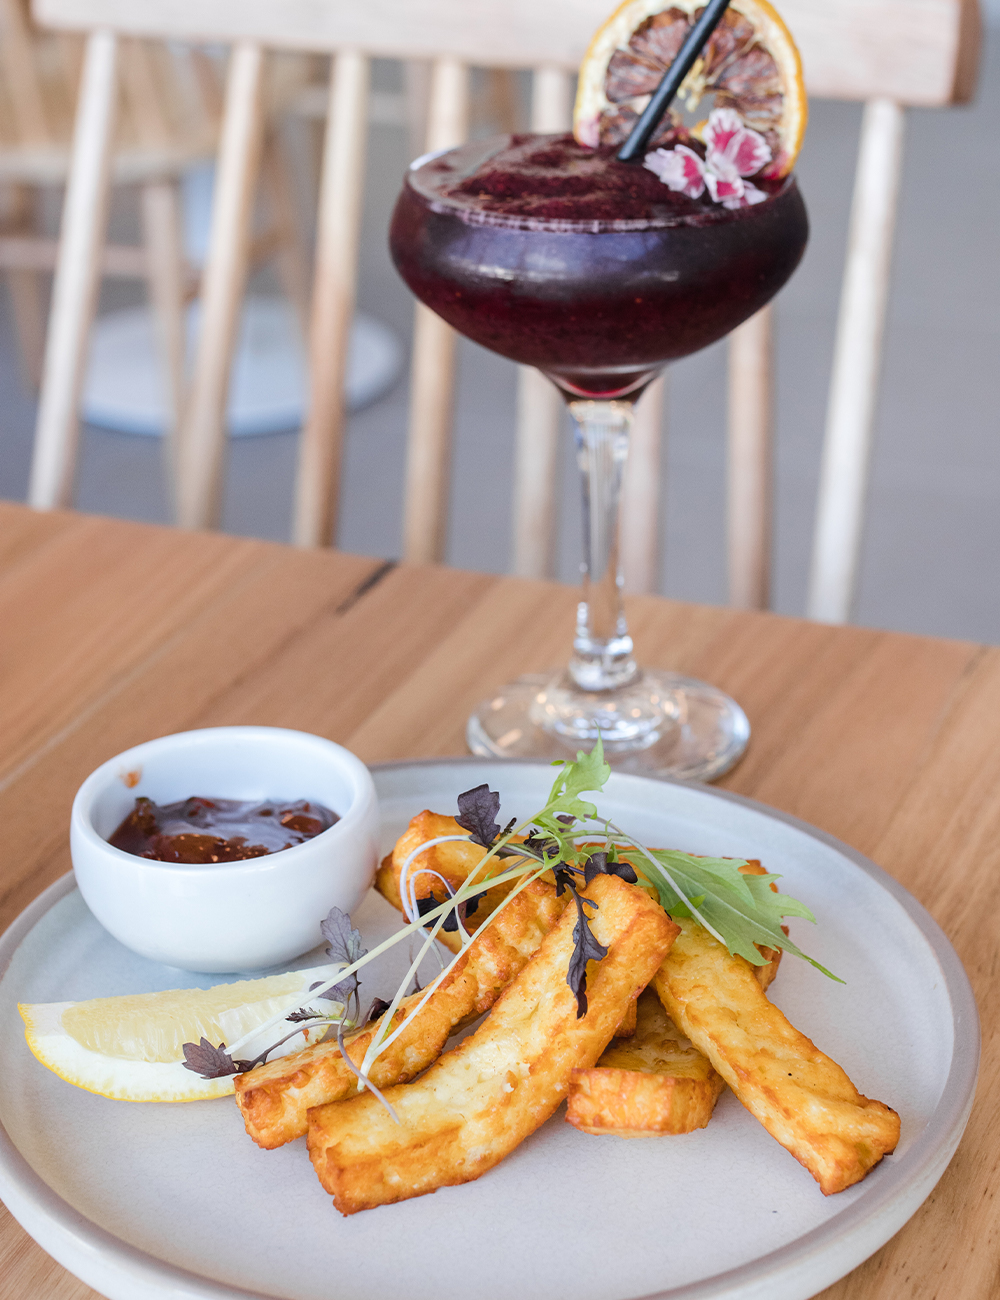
(560, 842)
(344, 946)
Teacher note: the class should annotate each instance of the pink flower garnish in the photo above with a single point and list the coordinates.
(733, 152)
(680, 168)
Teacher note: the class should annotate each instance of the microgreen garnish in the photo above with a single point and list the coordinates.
(477, 811)
(741, 911)
(608, 864)
(378, 1007)
(208, 1061)
(300, 1017)
(586, 949)
(459, 916)
(344, 945)
(362, 1077)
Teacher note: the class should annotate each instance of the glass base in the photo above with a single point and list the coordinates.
(661, 724)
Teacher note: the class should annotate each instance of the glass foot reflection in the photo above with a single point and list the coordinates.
(660, 724)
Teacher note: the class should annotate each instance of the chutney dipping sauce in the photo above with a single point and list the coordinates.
(202, 830)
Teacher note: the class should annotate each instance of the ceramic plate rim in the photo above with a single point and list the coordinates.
(32, 1201)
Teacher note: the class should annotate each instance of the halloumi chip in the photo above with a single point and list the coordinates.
(628, 1021)
(274, 1097)
(803, 1098)
(479, 1101)
(455, 861)
(655, 1082)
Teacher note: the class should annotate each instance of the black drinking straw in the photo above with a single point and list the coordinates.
(634, 147)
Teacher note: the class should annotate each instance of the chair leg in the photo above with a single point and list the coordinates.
(74, 296)
(27, 300)
(291, 257)
(539, 405)
(856, 365)
(429, 444)
(748, 506)
(202, 442)
(540, 417)
(417, 92)
(640, 509)
(317, 485)
(163, 239)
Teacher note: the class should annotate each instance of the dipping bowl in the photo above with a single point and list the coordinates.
(231, 916)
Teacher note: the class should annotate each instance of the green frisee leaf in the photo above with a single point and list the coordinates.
(742, 910)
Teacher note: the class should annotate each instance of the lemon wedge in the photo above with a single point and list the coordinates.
(131, 1047)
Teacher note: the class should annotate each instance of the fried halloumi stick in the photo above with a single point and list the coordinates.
(803, 1098)
(628, 1022)
(274, 1098)
(455, 861)
(655, 1082)
(479, 1101)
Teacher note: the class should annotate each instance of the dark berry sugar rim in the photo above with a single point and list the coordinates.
(472, 216)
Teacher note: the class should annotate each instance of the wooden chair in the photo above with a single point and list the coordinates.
(167, 125)
(889, 53)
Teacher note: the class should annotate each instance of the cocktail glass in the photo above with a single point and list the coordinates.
(599, 306)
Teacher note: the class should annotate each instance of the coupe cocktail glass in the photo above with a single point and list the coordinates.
(488, 237)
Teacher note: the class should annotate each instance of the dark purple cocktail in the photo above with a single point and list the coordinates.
(560, 257)
(598, 273)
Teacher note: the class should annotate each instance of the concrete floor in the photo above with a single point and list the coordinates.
(932, 537)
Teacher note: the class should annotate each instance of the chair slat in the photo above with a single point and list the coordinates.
(140, 83)
(74, 293)
(539, 406)
(540, 416)
(338, 230)
(201, 453)
(21, 75)
(640, 539)
(431, 394)
(163, 241)
(28, 299)
(856, 365)
(749, 493)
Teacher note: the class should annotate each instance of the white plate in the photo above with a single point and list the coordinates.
(156, 1201)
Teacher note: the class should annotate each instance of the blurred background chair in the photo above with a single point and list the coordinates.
(168, 124)
(880, 51)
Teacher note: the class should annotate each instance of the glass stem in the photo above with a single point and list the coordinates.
(602, 649)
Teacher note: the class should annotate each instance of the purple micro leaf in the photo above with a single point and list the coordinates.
(602, 864)
(541, 844)
(344, 944)
(565, 875)
(471, 904)
(460, 913)
(587, 949)
(306, 1013)
(377, 1010)
(428, 904)
(477, 813)
(208, 1061)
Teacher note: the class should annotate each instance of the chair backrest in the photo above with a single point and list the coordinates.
(164, 114)
(889, 53)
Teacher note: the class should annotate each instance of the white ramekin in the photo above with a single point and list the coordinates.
(234, 916)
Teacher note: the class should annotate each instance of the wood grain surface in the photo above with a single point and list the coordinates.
(111, 633)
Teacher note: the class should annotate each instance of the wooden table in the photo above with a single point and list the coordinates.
(112, 633)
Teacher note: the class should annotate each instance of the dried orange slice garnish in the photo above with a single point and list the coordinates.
(750, 64)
